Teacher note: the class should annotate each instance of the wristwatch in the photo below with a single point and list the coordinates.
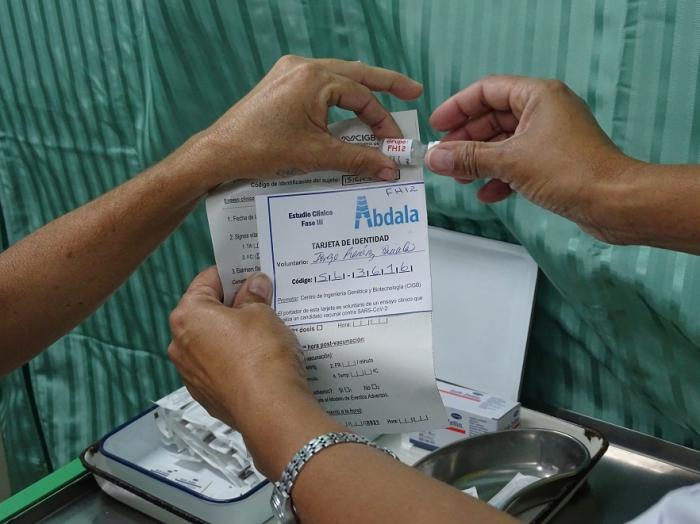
(281, 500)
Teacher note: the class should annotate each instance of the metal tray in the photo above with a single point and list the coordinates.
(489, 462)
(549, 499)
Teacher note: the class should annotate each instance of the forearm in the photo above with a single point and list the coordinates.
(55, 277)
(353, 482)
(652, 204)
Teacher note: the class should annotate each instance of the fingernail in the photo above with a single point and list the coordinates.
(440, 160)
(387, 174)
(261, 286)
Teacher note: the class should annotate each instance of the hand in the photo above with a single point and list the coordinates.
(280, 127)
(244, 366)
(223, 353)
(532, 136)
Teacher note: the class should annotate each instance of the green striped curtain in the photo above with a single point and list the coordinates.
(93, 91)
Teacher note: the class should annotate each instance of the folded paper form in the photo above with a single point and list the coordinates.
(350, 263)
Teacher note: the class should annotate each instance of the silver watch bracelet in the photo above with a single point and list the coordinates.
(281, 494)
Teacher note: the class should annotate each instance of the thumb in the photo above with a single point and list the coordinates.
(466, 160)
(360, 160)
(257, 289)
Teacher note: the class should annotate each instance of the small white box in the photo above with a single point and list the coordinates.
(470, 413)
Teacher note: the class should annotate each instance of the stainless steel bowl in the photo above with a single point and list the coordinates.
(490, 461)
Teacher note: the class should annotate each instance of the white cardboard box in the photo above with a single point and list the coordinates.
(470, 413)
(483, 291)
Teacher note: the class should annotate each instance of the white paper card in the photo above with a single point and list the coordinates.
(349, 259)
(514, 486)
(346, 254)
(472, 492)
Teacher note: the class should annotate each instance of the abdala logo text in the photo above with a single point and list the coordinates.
(374, 217)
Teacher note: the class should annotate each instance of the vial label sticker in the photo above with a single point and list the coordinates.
(398, 149)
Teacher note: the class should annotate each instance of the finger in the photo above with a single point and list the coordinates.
(500, 138)
(485, 127)
(466, 160)
(358, 160)
(206, 285)
(375, 78)
(500, 93)
(494, 191)
(350, 95)
(173, 352)
(257, 289)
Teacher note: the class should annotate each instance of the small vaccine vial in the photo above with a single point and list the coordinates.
(405, 151)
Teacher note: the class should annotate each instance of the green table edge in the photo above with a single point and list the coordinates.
(41, 489)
